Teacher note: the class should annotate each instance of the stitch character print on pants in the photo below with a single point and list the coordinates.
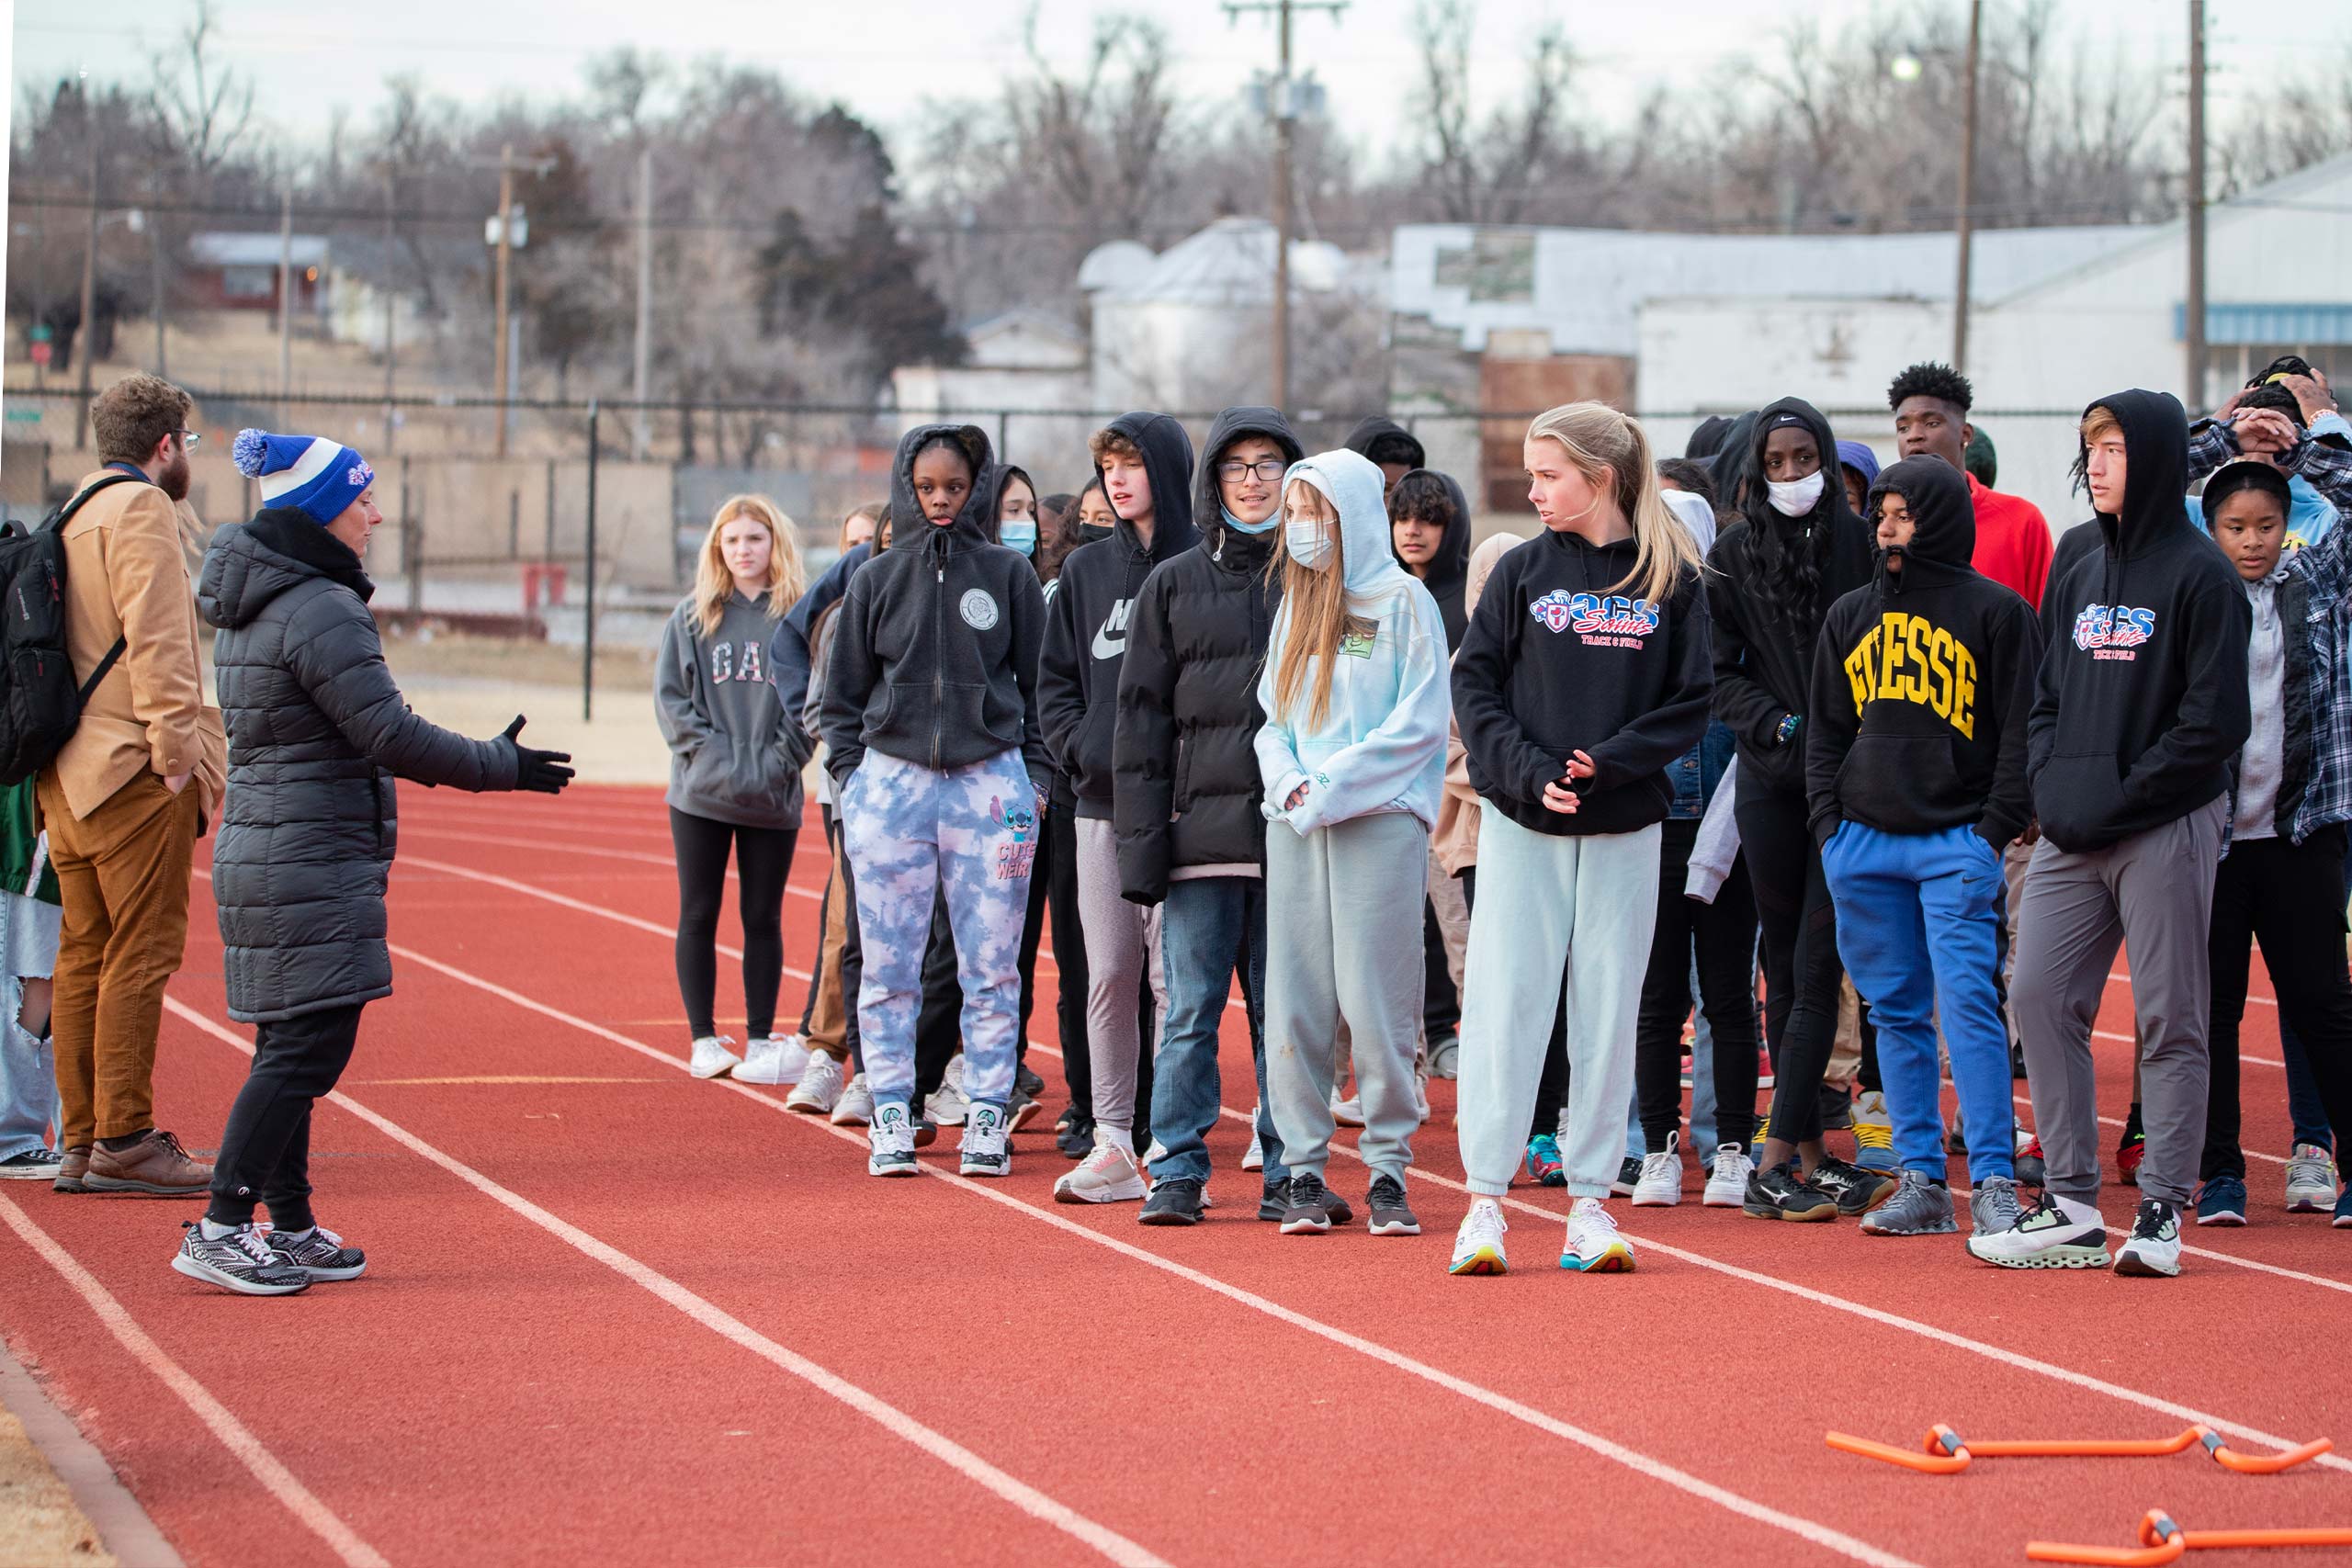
(912, 833)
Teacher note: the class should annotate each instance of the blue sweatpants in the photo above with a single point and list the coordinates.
(1918, 926)
(911, 833)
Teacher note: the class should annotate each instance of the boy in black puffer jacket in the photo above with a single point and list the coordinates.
(317, 733)
(1191, 838)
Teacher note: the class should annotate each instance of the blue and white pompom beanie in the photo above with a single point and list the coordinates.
(308, 472)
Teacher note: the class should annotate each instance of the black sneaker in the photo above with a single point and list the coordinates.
(1061, 1123)
(1027, 1082)
(1176, 1202)
(1855, 1191)
(926, 1131)
(1313, 1208)
(2016, 1059)
(33, 1164)
(1274, 1201)
(239, 1261)
(1629, 1175)
(1390, 1214)
(317, 1252)
(1075, 1139)
(1778, 1194)
(1956, 1141)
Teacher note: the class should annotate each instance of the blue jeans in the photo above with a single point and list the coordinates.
(1919, 928)
(28, 1081)
(1210, 928)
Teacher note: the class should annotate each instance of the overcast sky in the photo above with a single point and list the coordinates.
(874, 54)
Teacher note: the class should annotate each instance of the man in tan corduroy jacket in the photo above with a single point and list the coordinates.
(126, 799)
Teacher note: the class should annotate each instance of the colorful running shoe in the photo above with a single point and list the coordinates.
(1478, 1244)
(1593, 1246)
(2128, 1154)
(2311, 1179)
(1873, 1133)
(1542, 1161)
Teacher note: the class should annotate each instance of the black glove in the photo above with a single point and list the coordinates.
(542, 770)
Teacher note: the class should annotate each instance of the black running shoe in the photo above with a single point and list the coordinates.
(1390, 1214)
(1027, 1082)
(239, 1261)
(2016, 1060)
(1313, 1208)
(1856, 1192)
(1629, 1175)
(317, 1252)
(1075, 1139)
(1176, 1202)
(1779, 1194)
(1274, 1201)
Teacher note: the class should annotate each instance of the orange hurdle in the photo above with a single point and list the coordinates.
(1943, 1452)
(2162, 1541)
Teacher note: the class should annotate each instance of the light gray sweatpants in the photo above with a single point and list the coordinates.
(1122, 947)
(1547, 905)
(2153, 891)
(1343, 944)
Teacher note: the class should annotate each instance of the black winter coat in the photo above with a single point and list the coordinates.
(317, 731)
(1184, 756)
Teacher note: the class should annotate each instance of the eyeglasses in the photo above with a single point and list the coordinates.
(1268, 468)
(189, 438)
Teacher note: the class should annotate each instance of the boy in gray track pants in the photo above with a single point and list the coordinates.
(2140, 706)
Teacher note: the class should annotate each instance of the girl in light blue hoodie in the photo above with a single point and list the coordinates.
(1352, 754)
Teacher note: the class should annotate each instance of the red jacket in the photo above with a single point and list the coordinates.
(2012, 541)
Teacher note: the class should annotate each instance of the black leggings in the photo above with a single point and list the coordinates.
(1801, 967)
(763, 861)
(265, 1150)
(1725, 936)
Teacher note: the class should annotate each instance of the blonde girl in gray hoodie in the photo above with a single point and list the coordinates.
(735, 761)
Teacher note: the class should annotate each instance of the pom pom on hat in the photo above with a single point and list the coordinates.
(309, 473)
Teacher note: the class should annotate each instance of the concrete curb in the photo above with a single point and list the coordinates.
(112, 1511)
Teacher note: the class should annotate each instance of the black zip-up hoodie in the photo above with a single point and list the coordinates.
(1923, 681)
(1450, 568)
(1763, 664)
(2142, 700)
(1086, 630)
(935, 643)
(1185, 755)
(1558, 660)
(1373, 427)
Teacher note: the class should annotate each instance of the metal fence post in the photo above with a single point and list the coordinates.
(588, 584)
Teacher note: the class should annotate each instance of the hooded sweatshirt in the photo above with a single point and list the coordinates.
(1923, 681)
(1562, 659)
(1368, 431)
(735, 753)
(1086, 633)
(936, 640)
(1184, 756)
(1764, 664)
(1450, 568)
(2142, 699)
(792, 643)
(1381, 746)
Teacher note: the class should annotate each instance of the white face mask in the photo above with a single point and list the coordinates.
(1794, 498)
(1308, 541)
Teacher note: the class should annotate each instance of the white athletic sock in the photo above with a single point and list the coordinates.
(214, 1231)
(1123, 1137)
(2080, 1213)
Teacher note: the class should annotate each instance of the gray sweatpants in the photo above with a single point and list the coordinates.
(2153, 891)
(1343, 944)
(1122, 947)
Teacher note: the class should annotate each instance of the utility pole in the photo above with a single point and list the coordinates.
(639, 434)
(2193, 324)
(1282, 98)
(391, 411)
(286, 301)
(506, 247)
(1959, 300)
(85, 335)
(155, 262)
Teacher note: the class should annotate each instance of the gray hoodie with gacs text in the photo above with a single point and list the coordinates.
(733, 758)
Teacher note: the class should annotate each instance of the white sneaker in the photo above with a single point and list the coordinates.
(711, 1058)
(986, 1148)
(778, 1059)
(2155, 1246)
(1106, 1175)
(1593, 1246)
(1478, 1244)
(1255, 1159)
(855, 1106)
(890, 1142)
(948, 1102)
(1661, 1183)
(821, 1085)
(2055, 1234)
(1348, 1113)
(2311, 1181)
(1727, 1181)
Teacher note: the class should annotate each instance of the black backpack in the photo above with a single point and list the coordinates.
(39, 703)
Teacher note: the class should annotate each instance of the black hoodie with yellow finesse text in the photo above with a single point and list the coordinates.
(2142, 700)
(1922, 681)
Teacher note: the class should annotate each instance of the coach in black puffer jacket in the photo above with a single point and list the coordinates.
(317, 731)
(1187, 792)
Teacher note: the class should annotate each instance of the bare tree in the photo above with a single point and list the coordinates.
(203, 106)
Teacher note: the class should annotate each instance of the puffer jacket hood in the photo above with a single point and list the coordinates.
(1353, 483)
(1943, 538)
(1208, 500)
(251, 564)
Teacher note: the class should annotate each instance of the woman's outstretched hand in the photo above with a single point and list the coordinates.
(545, 772)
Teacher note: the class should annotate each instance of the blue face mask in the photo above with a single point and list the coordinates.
(1232, 522)
(1019, 534)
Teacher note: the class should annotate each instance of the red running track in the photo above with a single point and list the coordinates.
(618, 1316)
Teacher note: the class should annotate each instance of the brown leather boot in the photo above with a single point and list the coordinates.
(155, 1166)
(70, 1173)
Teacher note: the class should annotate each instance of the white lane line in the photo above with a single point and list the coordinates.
(1633, 1459)
(2126, 1039)
(667, 862)
(275, 1479)
(2118, 976)
(1117, 1548)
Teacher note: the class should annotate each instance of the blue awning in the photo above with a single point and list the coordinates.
(2268, 325)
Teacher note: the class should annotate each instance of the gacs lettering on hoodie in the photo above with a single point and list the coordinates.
(2113, 631)
(726, 664)
(1908, 658)
(1600, 620)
